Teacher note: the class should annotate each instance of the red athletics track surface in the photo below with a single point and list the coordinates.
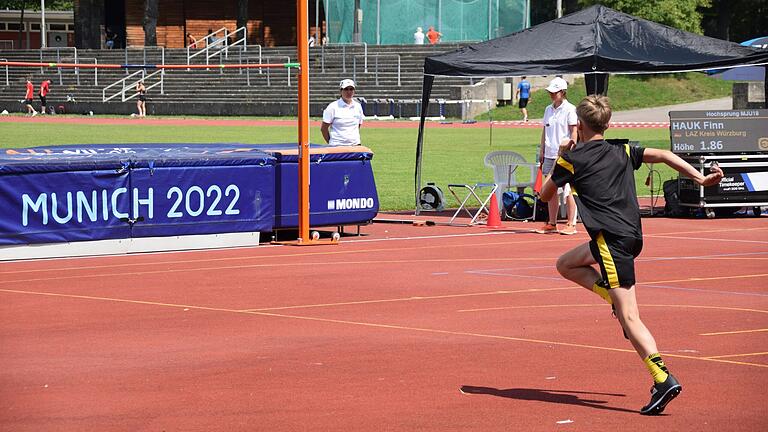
(381, 332)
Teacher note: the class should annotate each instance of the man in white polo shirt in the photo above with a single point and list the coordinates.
(559, 124)
(342, 118)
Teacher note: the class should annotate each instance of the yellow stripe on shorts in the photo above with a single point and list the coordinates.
(610, 267)
(626, 148)
(565, 164)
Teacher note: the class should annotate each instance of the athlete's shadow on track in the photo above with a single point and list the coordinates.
(569, 397)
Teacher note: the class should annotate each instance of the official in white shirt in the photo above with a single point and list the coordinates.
(559, 125)
(343, 118)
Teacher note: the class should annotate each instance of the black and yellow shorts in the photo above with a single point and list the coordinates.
(616, 257)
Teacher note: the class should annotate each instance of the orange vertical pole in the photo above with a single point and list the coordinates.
(302, 48)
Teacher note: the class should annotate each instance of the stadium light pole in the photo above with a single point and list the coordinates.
(378, 22)
(440, 15)
(43, 41)
(317, 23)
(527, 17)
(356, 30)
(302, 48)
(489, 20)
(327, 9)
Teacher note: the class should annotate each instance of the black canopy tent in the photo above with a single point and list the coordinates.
(596, 41)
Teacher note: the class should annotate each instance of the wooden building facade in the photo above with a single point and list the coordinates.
(270, 22)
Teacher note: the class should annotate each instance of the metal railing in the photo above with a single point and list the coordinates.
(216, 45)
(288, 70)
(267, 58)
(343, 54)
(58, 59)
(240, 50)
(144, 54)
(242, 41)
(376, 67)
(95, 71)
(124, 86)
(7, 80)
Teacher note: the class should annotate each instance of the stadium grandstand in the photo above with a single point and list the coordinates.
(368, 41)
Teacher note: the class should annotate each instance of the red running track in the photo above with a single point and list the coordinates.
(382, 331)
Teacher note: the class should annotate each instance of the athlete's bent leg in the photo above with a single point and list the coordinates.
(627, 312)
(576, 266)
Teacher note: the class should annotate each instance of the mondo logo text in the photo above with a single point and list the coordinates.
(350, 204)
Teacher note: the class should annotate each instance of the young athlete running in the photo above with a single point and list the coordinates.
(602, 177)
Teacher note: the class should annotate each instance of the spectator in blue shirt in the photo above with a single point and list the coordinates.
(523, 93)
(212, 38)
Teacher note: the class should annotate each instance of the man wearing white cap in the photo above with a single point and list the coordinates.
(559, 125)
(342, 118)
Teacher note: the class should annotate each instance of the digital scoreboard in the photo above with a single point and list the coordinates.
(724, 131)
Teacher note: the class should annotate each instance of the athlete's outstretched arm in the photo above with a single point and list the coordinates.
(652, 155)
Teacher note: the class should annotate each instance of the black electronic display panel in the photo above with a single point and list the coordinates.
(724, 131)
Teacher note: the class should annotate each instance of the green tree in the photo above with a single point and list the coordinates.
(736, 20)
(34, 5)
(681, 14)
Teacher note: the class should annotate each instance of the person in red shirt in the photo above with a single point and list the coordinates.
(44, 89)
(433, 35)
(29, 96)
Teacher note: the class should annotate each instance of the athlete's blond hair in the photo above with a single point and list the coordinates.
(595, 112)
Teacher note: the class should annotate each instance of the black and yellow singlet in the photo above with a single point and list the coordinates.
(601, 175)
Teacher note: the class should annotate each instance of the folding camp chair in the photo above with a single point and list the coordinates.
(474, 194)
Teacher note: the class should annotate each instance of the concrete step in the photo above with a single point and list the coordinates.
(269, 90)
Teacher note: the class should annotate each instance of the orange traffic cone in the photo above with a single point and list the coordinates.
(494, 219)
(537, 183)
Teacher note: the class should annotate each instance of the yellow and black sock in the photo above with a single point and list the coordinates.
(656, 366)
(600, 289)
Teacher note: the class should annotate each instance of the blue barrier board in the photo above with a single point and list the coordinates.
(63, 206)
(202, 200)
(107, 191)
(340, 192)
(94, 192)
(342, 189)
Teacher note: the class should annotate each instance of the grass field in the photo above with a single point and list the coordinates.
(451, 155)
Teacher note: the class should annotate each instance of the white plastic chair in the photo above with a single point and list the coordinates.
(507, 165)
